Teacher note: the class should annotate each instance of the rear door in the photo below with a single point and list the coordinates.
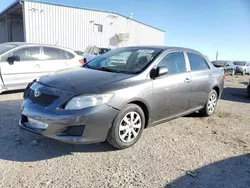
(55, 59)
(201, 80)
(171, 92)
(20, 73)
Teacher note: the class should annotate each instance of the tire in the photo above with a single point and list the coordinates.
(233, 73)
(122, 126)
(206, 111)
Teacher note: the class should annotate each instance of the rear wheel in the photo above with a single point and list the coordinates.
(127, 127)
(211, 104)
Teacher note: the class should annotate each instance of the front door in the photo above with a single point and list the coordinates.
(171, 92)
(20, 73)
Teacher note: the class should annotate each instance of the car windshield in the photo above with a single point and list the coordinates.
(4, 47)
(125, 60)
(240, 63)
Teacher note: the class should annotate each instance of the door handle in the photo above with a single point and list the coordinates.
(209, 76)
(187, 80)
(37, 65)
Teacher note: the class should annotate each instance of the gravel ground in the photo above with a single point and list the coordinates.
(187, 152)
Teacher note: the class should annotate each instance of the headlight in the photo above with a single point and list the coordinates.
(85, 101)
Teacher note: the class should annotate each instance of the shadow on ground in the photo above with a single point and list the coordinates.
(235, 95)
(12, 92)
(244, 83)
(229, 173)
(19, 145)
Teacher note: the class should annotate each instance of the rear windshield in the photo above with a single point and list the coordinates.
(103, 50)
(4, 47)
(219, 63)
(240, 63)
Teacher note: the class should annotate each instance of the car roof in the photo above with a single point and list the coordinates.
(18, 44)
(165, 48)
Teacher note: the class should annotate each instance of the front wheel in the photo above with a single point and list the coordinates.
(127, 127)
(211, 104)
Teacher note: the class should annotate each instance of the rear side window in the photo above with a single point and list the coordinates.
(56, 54)
(197, 63)
(53, 53)
(67, 55)
(28, 53)
(175, 63)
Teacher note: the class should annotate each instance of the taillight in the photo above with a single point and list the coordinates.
(81, 61)
(224, 76)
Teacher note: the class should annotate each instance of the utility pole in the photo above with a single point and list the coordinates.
(217, 54)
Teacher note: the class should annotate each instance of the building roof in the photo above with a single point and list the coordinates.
(77, 7)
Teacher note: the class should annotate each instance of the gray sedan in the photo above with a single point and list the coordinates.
(116, 102)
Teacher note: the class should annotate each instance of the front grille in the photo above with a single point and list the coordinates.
(43, 99)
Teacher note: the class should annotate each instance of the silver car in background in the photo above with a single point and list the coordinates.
(21, 62)
(242, 67)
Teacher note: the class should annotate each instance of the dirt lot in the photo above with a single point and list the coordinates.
(187, 152)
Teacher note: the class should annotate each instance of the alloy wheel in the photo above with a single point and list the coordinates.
(212, 103)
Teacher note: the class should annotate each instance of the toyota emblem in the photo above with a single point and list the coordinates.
(37, 93)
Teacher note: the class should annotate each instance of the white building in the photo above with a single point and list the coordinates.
(73, 27)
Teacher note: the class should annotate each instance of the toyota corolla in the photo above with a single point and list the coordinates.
(103, 100)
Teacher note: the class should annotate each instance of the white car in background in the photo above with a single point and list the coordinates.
(21, 63)
(242, 67)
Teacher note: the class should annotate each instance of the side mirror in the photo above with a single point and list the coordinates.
(159, 71)
(162, 71)
(12, 59)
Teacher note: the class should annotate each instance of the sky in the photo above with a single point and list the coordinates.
(204, 25)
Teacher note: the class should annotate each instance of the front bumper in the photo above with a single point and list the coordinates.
(238, 70)
(90, 125)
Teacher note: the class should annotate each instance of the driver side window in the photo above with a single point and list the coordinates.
(28, 53)
(175, 62)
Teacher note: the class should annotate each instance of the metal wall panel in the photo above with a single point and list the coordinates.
(74, 27)
(17, 30)
(3, 31)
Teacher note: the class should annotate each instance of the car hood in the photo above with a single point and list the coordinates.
(82, 80)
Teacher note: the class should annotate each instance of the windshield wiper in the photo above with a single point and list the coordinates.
(109, 70)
